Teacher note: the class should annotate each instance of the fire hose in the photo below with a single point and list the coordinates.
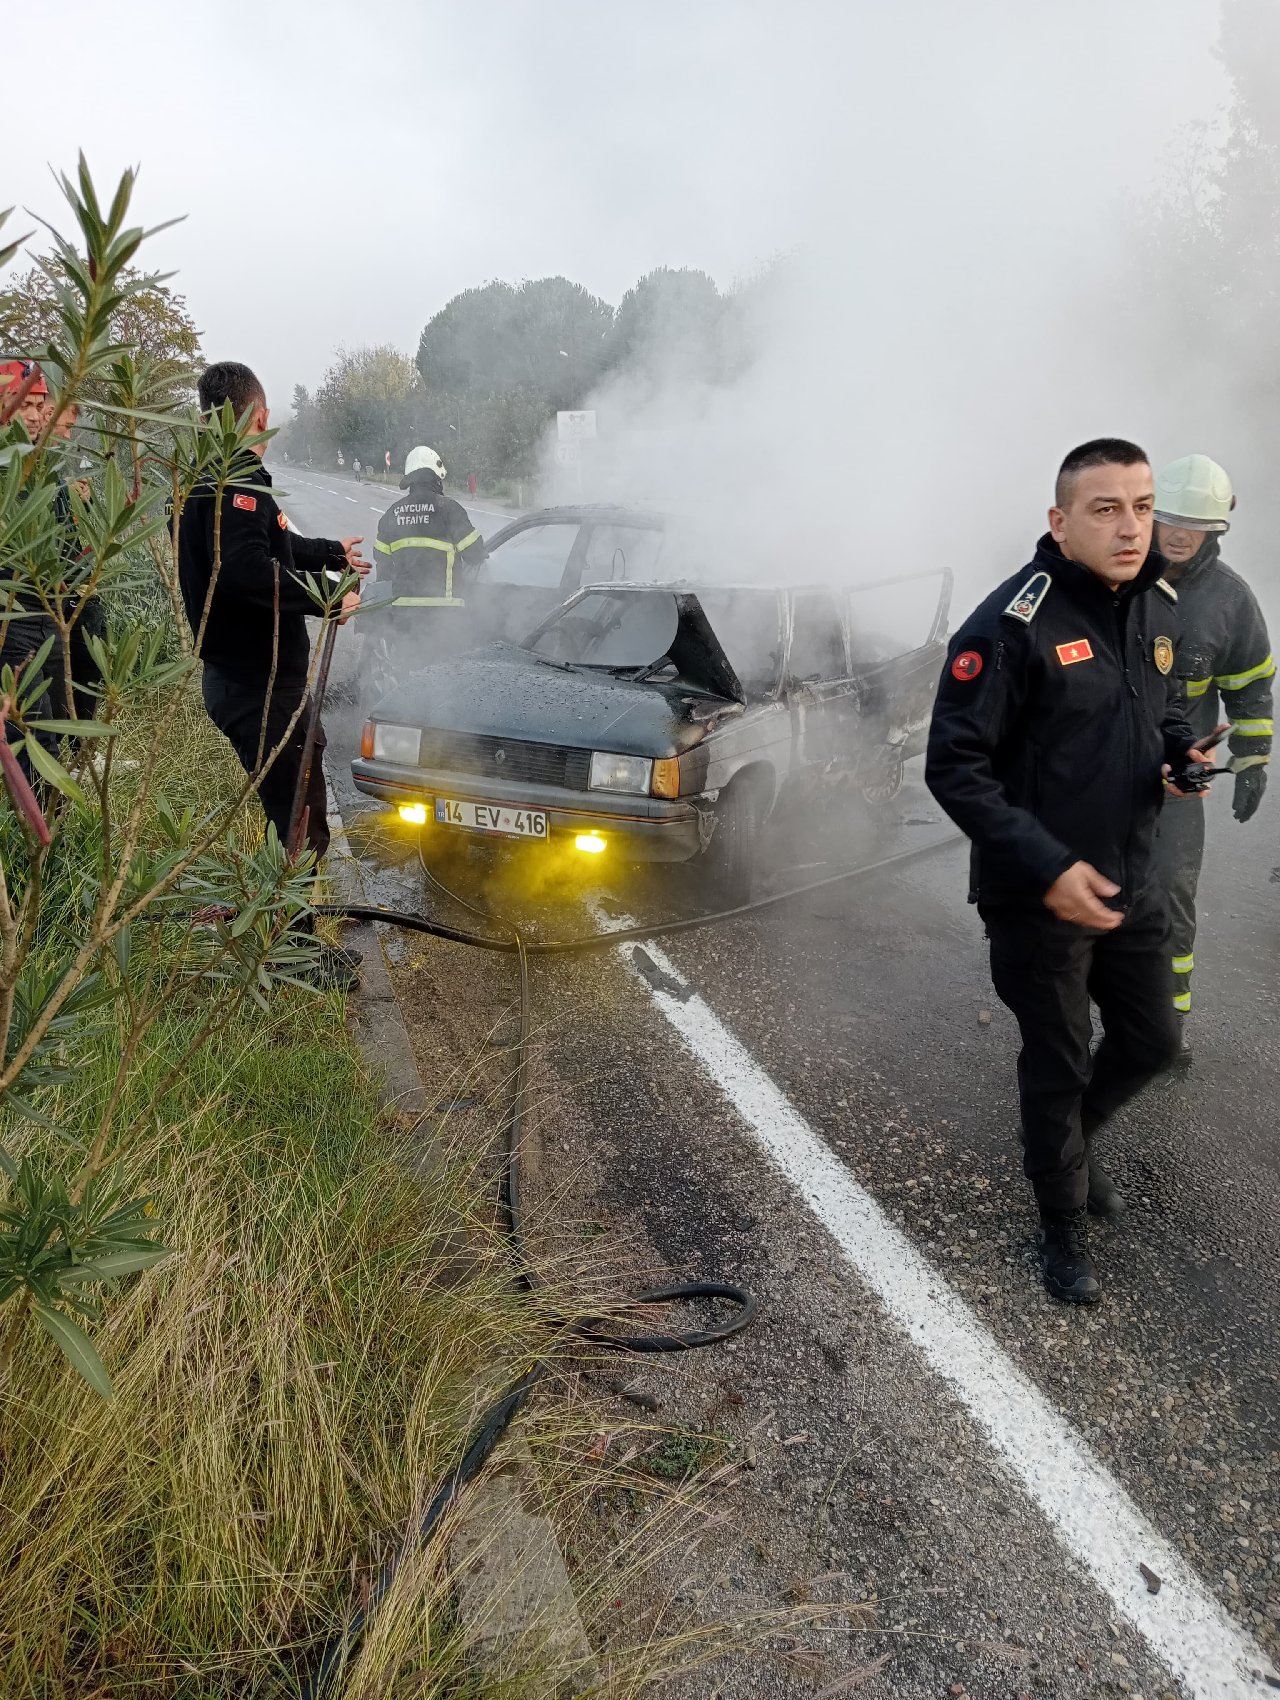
(591, 1330)
(586, 1329)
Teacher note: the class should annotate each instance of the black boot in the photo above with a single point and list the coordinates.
(1069, 1271)
(1183, 1058)
(1105, 1197)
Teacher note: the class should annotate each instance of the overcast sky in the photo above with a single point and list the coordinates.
(345, 167)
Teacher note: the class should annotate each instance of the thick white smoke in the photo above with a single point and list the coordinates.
(958, 309)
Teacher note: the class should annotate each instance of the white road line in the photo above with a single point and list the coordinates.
(1094, 1517)
(346, 498)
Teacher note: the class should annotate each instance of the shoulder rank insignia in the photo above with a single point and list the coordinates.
(1026, 603)
(1164, 585)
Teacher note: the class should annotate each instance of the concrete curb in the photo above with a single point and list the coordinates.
(515, 1599)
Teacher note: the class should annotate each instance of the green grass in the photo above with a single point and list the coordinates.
(288, 1385)
(685, 1453)
(294, 1381)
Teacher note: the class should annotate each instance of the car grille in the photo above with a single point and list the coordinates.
(505, 758)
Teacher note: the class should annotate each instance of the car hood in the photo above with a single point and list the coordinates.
(504, 691)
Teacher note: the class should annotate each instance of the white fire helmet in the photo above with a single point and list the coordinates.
(1195, 493)
(423, 459)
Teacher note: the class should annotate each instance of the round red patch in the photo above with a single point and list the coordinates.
(967, 665)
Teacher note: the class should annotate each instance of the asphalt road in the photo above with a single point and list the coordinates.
(892, 1450)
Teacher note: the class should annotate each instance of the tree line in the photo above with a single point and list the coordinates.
(497, 362)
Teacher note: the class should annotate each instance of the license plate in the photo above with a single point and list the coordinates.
(491, 817)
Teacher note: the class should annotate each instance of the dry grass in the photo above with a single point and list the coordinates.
(285, 1386)
(293, 1383)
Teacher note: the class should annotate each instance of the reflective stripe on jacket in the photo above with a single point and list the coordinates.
(1223, 649)
(422, 538)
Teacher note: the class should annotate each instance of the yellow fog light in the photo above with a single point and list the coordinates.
(591, 842)
(414, 813)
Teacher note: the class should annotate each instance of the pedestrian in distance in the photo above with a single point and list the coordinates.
(255, 675)
(1057, 728)
(1223, 649)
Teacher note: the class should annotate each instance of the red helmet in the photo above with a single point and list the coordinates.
(17, 372)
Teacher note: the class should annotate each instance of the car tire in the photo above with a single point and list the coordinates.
(887, 783)
(729, 861)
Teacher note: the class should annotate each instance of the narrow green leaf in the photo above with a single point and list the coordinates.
(112, 1265)
(76, 1347)
(76, 728)
(51, 769)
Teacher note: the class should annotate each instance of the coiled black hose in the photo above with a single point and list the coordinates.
(592, 1330)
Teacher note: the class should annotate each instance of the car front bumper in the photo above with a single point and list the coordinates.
(640, 829)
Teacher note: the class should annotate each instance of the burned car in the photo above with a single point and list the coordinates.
(657, 722)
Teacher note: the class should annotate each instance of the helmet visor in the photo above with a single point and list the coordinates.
(1185, 524)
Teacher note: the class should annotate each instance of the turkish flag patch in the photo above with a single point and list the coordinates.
(967, 665)
(1070, 653)
(248, 503)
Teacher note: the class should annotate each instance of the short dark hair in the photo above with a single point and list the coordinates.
(228, 380)
(1101, 451)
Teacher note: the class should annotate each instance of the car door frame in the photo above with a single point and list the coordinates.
(820, 709)
(591, 523)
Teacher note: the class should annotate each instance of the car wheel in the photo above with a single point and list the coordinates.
(887, 783)
(730, 858)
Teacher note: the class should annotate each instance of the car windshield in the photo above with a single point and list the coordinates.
(607, 629)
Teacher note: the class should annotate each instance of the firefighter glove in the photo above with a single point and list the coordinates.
(1249, 788)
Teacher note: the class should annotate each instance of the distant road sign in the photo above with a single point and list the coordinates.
(568, 454)
(573, 427)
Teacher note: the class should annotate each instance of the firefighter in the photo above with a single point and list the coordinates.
(1056, 720)
(427, 549)
(250, 625)
(1223, 648)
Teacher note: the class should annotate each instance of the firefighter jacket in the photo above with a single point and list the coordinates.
(1223, 647)
(1056, 709)
(260, 560)
(423, 538)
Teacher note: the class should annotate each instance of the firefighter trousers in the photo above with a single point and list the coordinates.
(1179, 852)
(1047, 972)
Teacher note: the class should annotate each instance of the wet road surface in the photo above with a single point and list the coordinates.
(867, 1009)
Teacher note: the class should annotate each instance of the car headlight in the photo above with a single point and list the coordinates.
(396, 743)
(620, 773)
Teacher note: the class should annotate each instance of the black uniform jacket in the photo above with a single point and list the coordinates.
(257, 552)
(423, 539)
(1056, 709)
(1223, 647)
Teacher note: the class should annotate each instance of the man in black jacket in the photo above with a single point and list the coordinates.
(249, 621)
(1056, 724)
